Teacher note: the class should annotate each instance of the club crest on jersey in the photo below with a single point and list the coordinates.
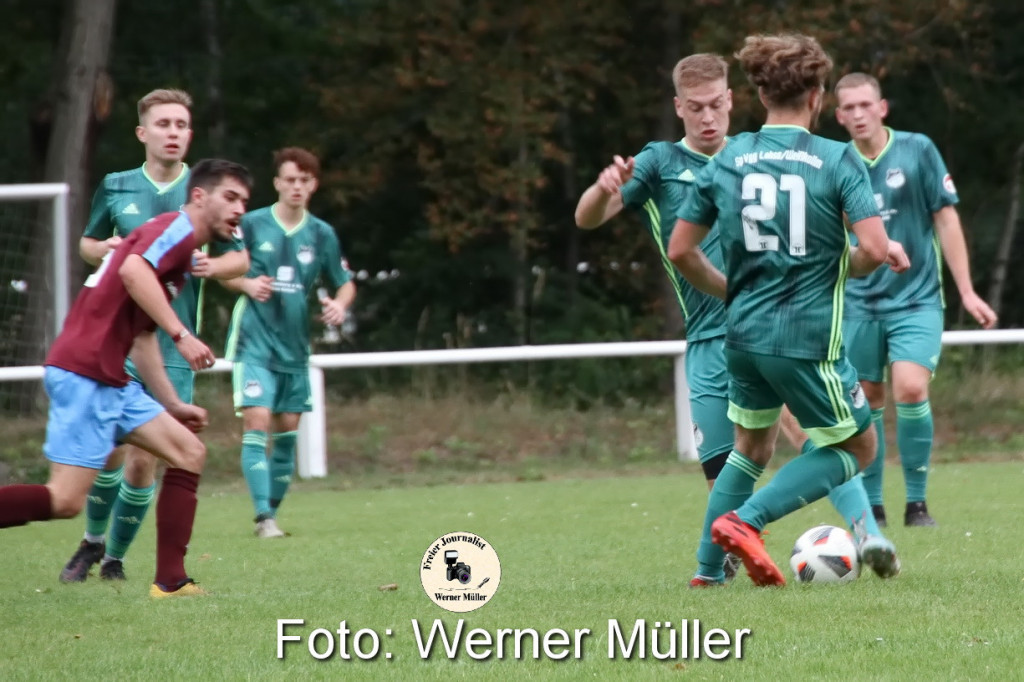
(305, 255)
(947, 184)
(895, 178)
(252, 389)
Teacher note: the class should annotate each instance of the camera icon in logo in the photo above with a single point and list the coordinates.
(456, 571)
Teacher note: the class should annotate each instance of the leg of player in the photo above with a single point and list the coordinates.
(282, 458)
(185, 455)
(255, 468)
(914, 434)
(62, 497)
(874, 391)
(133, 501)
(99, 503)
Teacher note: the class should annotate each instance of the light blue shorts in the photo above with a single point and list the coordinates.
(88, 419)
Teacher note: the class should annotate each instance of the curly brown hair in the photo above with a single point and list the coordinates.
(785, 68)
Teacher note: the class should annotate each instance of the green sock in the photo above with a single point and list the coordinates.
(732, 488)
(129, 511)
(914, 432)
(873, 472)
(851, 501)
(282, 465)
(100, 501)
(254, 467)
(803, 480)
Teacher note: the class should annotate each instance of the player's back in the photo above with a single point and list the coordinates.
(780, 195)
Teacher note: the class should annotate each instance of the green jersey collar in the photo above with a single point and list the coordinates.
(685, 145)
(871, 163)
(771, 127)
(284, 228)
(170, 185)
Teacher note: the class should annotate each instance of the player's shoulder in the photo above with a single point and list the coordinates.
(321, 225)
(123, 179)
(910, 140)
(258, 215)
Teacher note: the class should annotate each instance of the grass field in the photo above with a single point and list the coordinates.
(575, 553)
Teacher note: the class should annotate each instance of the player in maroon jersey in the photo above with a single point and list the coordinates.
(93, 405)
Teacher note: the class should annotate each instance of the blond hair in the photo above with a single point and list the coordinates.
(698, 69)
(163, 96)
(785, 68)
(857, 79)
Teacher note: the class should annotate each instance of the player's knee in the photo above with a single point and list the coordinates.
(911, 393)
(193, 456)
(864, 447)
(65, 505)
(875, 393)
(140, 469)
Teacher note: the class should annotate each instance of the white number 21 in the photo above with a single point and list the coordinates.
(765, 190)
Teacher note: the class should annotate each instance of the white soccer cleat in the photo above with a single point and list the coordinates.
(267, 528)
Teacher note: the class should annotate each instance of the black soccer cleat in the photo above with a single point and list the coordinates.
(112, 570)
(878, 511)
(917, 515)
(78, 566)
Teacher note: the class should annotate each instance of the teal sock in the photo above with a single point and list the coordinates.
(803, 480)
(914, 432)
(851, 501)
(254, 467)
(101, 500)
(732, 488)
(873, 472)
(129, 511)
(282, 466)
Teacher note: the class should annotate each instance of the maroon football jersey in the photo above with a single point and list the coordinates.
(104, 320)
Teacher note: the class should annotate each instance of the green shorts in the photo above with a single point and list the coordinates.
(182, 378)
(280, 392)
(873, 345)
(708, 381)
(825, 397)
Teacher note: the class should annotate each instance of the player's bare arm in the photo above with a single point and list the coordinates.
(334, 308)
(954, 252)
(93, 250)
(142, 285)
(602, 201)
(227, 266)
(685, 253)
(872, 246)
(257, 288)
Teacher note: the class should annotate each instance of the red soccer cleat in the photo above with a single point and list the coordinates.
(733, 535)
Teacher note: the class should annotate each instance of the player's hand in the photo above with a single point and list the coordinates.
(333, 312)
(980, 310)
(616, 175)
(192, 416)
(201, 266)
(196, 353)
(259, 288)
(897, 258)
(111, 244)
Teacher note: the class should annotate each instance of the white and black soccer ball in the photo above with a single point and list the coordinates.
(825, 554)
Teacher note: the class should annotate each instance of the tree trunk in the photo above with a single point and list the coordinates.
(1002, 261)
(214, 88)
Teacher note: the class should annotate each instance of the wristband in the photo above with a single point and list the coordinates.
(180, 335)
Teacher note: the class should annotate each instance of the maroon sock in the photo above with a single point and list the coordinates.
(175, 512)
(20, 504)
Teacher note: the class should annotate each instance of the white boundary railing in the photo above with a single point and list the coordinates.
(312, 442)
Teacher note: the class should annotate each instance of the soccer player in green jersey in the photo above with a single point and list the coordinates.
(656, 181)
(896, 322)
(778, 198)
(269, 333)
(123, 491)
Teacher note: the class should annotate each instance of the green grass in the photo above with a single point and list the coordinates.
(574, 553)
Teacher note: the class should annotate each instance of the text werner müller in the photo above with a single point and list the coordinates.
(638, 640)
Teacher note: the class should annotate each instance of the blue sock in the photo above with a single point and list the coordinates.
(914, 433)
(802, 480)
(873, 472)
(256, 471)
(732, 488)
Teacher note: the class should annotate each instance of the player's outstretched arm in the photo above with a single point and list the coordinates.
(872, 246)
(227, 266)
(92, 250)
(149, 362)
(257, 288)
(602, 201)
(685, 253)
(954, 252)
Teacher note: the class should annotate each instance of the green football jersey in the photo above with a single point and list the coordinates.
(778, 196)
(911, 183)
(662, 177)
(275, 333)
(125, 200)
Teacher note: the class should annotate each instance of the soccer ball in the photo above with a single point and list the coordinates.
(825, 554)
